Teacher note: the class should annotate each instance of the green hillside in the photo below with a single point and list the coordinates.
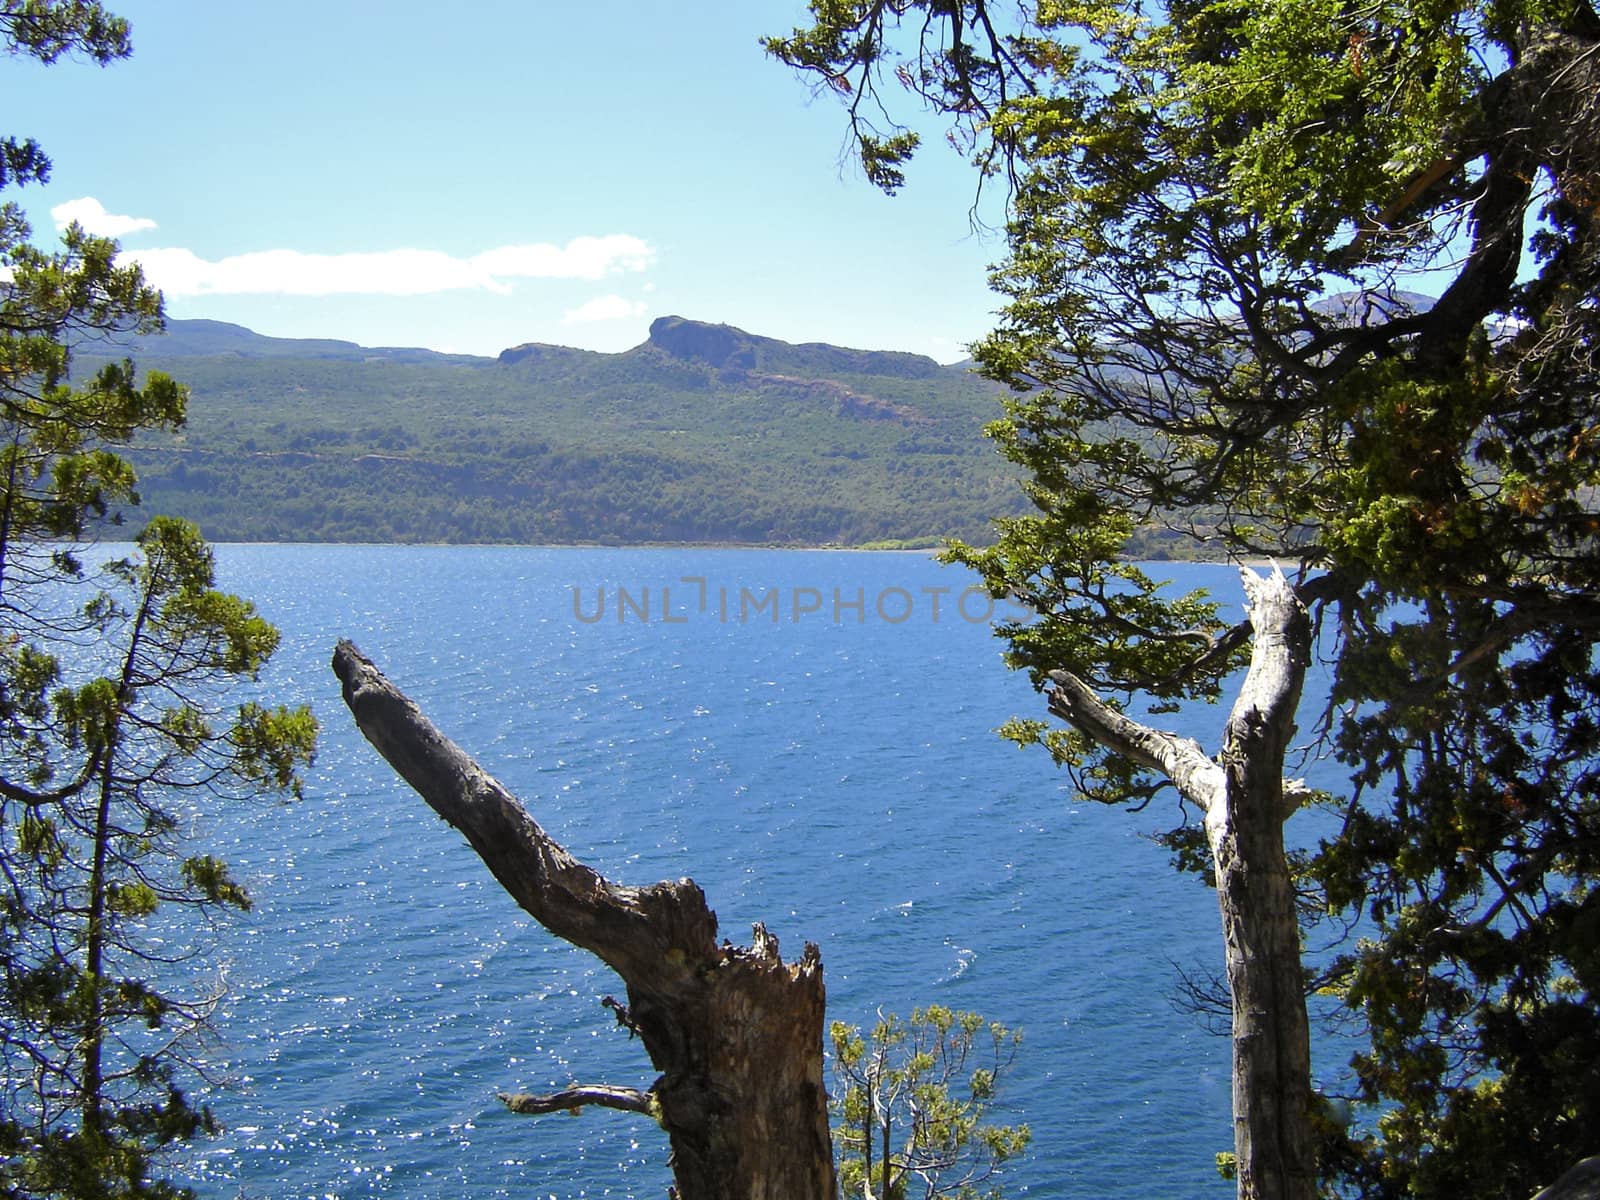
(704, 433)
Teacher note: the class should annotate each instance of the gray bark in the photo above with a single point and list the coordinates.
(736, 1033)
(1582, 1182)
(1246, 800)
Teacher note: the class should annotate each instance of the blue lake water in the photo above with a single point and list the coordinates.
(825, 766)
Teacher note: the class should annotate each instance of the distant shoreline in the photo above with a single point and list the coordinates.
(926, 551)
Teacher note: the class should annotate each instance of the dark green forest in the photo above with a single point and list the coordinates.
(702, 434)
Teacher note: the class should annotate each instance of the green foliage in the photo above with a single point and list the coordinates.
(1217, 210)
(914, 1105)
(129, 738)
(45, 30)
(114, 719)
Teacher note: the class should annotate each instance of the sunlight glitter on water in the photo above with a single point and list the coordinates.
(842, 783)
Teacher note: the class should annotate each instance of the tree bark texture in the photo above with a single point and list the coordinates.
(1271, 1036)
(736, 1033)
(1245, 800)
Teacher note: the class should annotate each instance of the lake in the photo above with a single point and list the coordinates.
(810, 735)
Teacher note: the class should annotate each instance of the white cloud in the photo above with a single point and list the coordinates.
(604, 308)
(404, 272)
(581, 258)
(92, 215)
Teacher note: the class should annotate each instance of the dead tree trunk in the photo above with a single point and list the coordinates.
(1246, 800)
(736, 1033)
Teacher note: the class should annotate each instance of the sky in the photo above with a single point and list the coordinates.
(472, 176)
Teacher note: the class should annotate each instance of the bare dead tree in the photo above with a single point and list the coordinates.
(735, 1032)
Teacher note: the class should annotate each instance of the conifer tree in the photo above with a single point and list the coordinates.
(115, 723)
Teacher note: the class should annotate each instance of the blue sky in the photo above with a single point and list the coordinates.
(476, 175)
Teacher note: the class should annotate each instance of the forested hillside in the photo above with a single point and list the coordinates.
(703, 433)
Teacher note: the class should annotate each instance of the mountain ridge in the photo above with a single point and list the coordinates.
(717, 345)
(702, 433)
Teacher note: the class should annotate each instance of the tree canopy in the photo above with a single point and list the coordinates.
(1318, 282)
(115, 723)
